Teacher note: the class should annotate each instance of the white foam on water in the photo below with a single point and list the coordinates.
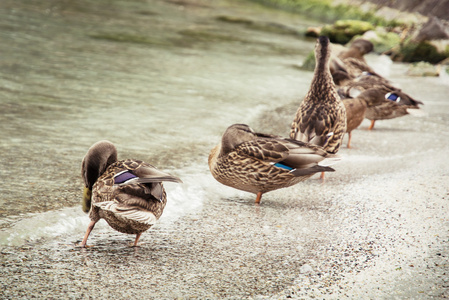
(182, 199)
(49, 224)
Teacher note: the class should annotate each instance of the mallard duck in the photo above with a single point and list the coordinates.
(321, 117)
(351, 63)
(259, 163)
(357, 50)
(128, 194)
(354, 75)
(384, 101)
(389, 104)
(355, 113)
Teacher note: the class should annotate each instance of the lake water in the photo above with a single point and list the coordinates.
(162, 80)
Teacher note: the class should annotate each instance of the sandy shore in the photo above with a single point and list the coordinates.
(376, 228)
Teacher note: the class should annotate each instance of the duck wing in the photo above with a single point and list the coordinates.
(136, 171)
(298, 157)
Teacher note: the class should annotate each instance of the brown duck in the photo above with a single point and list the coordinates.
(355, 114)
(384, 101)
(321, 117)
(128, 194)
(259, 163)
(351, 63)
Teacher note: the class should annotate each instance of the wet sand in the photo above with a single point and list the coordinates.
(376, 228)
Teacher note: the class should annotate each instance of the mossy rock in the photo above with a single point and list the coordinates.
(382, 40)
(309, 62)
(422, 51)
(422, 69)
(328, 10)
(342, 31)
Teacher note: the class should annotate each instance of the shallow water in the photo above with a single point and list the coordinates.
(162, 80)
(159, 80)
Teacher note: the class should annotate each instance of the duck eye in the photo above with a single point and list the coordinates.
(392, 97)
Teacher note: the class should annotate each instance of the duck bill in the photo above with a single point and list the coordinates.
(87, 199)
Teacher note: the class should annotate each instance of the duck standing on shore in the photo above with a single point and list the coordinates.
(128, 194)
(384, 101)
(355, 114)
(321, 117)
(351, 63)
(260, 163)
(354, 76)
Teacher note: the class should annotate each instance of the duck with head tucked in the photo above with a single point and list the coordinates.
(259, 163)
(384, 100)
(321, 117)
(351, 63)
(128, 194)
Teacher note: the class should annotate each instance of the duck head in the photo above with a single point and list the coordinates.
(235, 135)
(97, 159)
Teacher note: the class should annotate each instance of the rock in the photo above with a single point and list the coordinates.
(313, 31)
(342, 31)
(423, 51)
(434, 29)
(390, 14)
(422, 69)
(381, 39)
(442, 46)
(437, 8)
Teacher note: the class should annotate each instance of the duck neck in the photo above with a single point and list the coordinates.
(322, 82)
(99, 157)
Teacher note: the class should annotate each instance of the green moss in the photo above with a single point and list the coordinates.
(385, 41)
(325, 10)
(343, 31)
(422, 69)
(414, 52)
(309, 62)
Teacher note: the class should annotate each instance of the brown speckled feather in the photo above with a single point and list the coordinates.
(355, 112)
(321, 117)
(374, 90)
(140, 201)
(246, 160)
(128, 194)
(358, 80)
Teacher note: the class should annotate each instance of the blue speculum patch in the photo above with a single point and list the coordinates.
(123, 177)
(392, 97)
(279, 165)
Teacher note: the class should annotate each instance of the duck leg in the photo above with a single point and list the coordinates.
(349, 139)
(137, 239)
(259, 196)
(322, 176)
(86, 236)
(372, 125)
